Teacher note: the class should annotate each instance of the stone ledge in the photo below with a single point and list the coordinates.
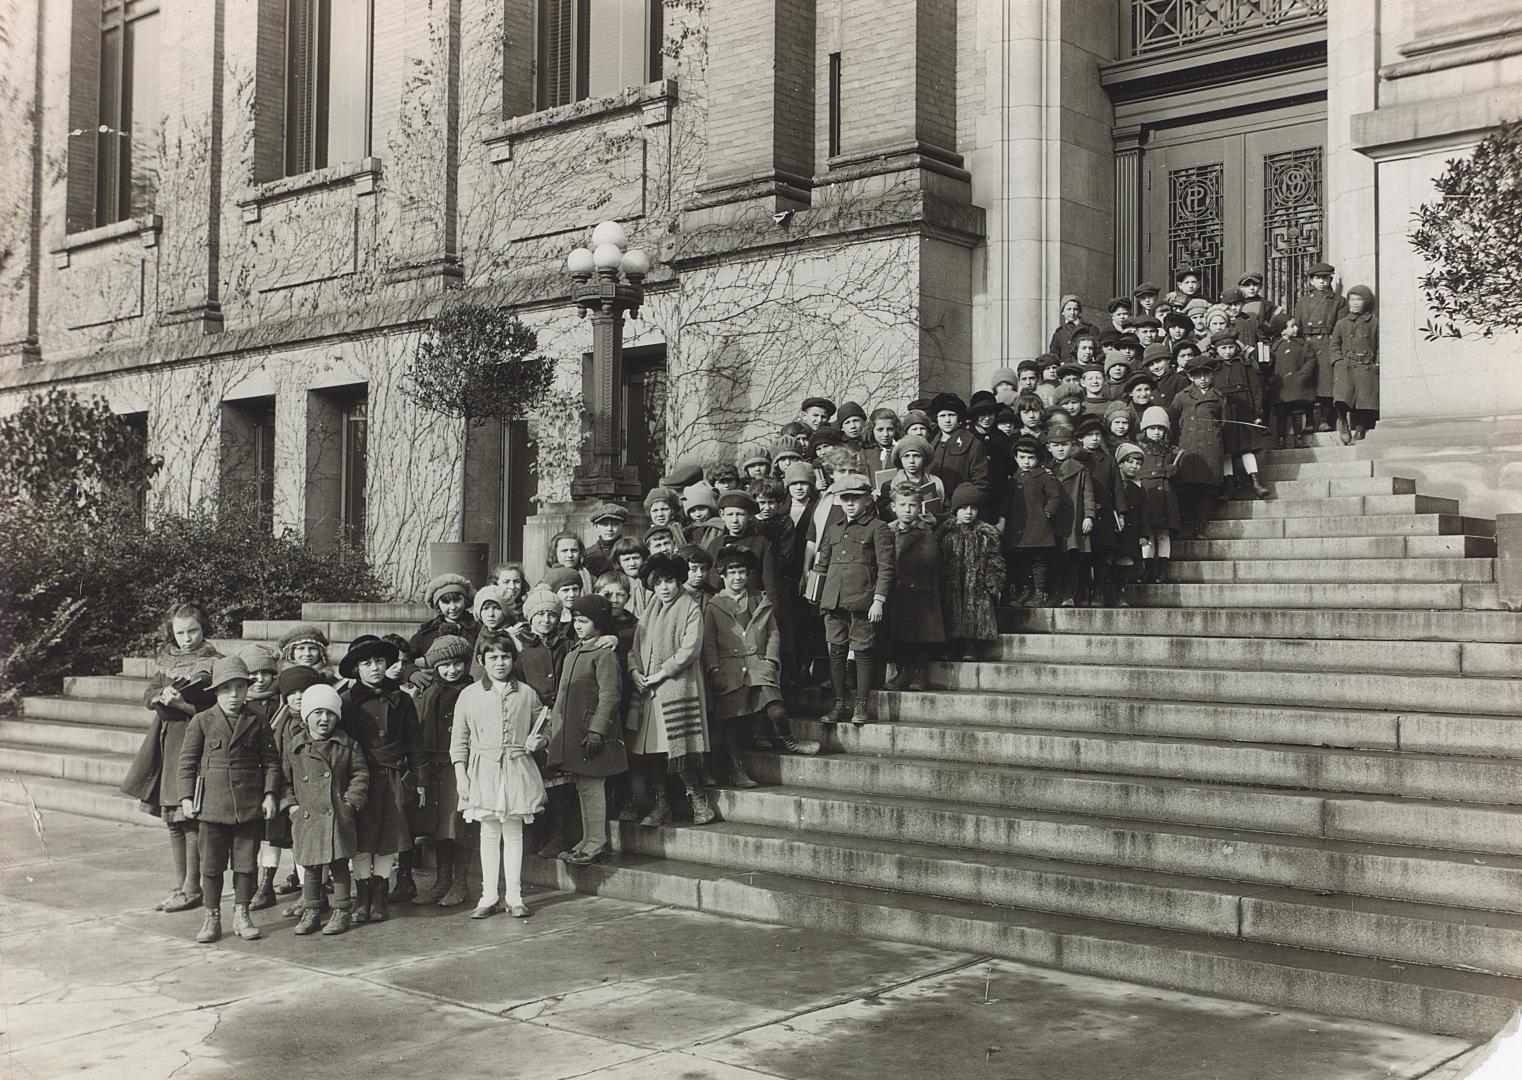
(1398, 129)
(146, 226)
(653, 99)
(361, 175)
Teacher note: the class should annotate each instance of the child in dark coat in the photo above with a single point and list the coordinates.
(264, 701)
(1075, 516)
(325, 784)
(229, 782)
(1136, 526)
(856, 561)
(915, 619)
(449, 595)
(1292, 386)
(1156, 477)
(1095, 456)
(1238, 382)
(177, 691)
(285, 726)
(438, 814)
(972, 572)
(742, 658)
(1032, 500)
(1201, 455)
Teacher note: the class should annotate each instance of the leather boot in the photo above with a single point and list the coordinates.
(1343, 433)
(738, 777)
(1258, 487)
(405, 888)
(442, 879)
(310, 921)
(360, 913)
(211, 927)
(660, 809)
(291, 884)
(244, 926)
(338, 922)
(1323, 417)
(702, 809)
(554, 812)
(839, 712)
(378, 898)
(781, 732)
(459, 891)
(868, 674)
(264, 895)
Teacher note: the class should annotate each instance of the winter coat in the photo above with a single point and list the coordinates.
(1157, 485)
(1354, 350)
(1032, 500)
(741, 650)
(764, 577)
(1138, 522)
(960, 458)
(590, 698)
(1169, 387)
(490, 728)
(325, 783)
(669, 643)
(1202, 458)
(779, 531)
(236, 759)
(972, 576)
(856, 559)
(1317, 313)
(1294, 373)
(384, 722)
(598, 557)
(914, 606)
(435, 709)
(1077, 503)
(437, 627)
(1000, 457)
(1062, 338)
(153, 778)
(1238, 382)
(539, 663)
(1105, 481)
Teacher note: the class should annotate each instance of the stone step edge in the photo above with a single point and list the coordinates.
(1411, 995)
(73, 797)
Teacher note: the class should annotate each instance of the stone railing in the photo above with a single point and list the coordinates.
(1157, 25)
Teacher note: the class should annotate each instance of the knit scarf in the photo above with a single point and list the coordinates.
(672, 634)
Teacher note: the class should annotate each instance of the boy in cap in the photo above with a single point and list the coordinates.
(229, 774)
(755, 466)
(1201, 454)
(608, 519)
(1254, 303)
(1145, 297)
(264, 702)
(815, 411)
(1032, 499)
(1071, 324)
(957, 455)
(1237, 380)
(1187, 285)
(856, 560)
(1292, 382)
(1354, 351)
(913, 620)
(737, 511)
(1317, 313)
(1135, 525)
(852, 422)
(1119, 309)
(1147, 328)
(1074, 521)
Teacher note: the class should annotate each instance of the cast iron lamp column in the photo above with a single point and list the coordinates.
(598, 291)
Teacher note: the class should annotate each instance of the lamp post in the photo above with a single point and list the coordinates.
(598, 291)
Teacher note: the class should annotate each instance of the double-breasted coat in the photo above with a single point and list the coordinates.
(1201, 457)
(741, 654)
(1239, 383)
(1157, 485)
(765, 576)
(439, 816)
(1294, 373)
(960, 458)
(1032, 500)
(914, 609)
(384, 722)
(235, 757)
(590, 699)
(1104, 481)
(1354, 350)
(1317, 313)
(325, 782)
(1077, 503)
(857, 561)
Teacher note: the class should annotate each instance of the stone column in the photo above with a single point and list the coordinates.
(1128, 209)
(1352, 83)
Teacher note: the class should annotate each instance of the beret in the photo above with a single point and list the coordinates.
(445, 647)
(1008, 375)
(561, 576)
(911, 442)
(540, 599)
(597, 609)
(445, 584)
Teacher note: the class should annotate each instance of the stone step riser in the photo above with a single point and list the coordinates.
(1324, 623)
(1331, 571)
(1337, 526)
(1447, 826)
(108, 772)
(1374, 773)
(1302, 689)
(1329, 452)
(1276, 468)
(1318, 488)
(103, 803)
(1219, 856)
(1282, 978)
(1340, 547)
(337, 631)
(1337, 596)
(1340, 506)
(1167, 906)
(325, 613)
(116, 714)
(83, 737)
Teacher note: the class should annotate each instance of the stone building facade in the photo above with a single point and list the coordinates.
(233, 218)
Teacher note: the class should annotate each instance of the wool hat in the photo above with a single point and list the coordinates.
(1118, 302)
(1196, 303)
(700, 494)
(1233, 296)
(915, 416)
(490, 594)
(540, 598)
(947, 402)
(911, 442)
(682, 476)
(739, 499)
(226, 669)
(257, 657)
(662, 494)
(321, 696)
(1088, 422)
(850, 483)
(849, 410)
(445, 647)
(1178, 319)
(1116, 408)
(1028, 443)
(1203, 362)
(561, 576)
(1066, 297)
(1004, 374)
(1158, 350)
(1321, 268)
(1028, 365)
(1368, 297)
(826, 434)
(609, 512)
(365, 647)
(733, 553)
(1127, 449)
(445, 584)
(966, 495)
(818, 403)
(1146, 288)
(1252, 277)
(297, 679)
(1224, 335)
(757, 458)
(1141, 378)
(785, 448)
(1156, 416)
(666, 565)
(598, 610)
(302, 634)
(799, 472)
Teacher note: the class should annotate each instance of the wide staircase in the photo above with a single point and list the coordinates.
(1290, 776)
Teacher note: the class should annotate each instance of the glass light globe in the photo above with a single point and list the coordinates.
(609, 232)
(579, 261)
(607, 257)
(636, 263)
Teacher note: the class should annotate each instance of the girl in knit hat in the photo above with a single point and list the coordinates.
(542, 645)
(494, 610)
(911, 455)
(664, 507)
(264, 702)
(1070, 308)
(307, 645)
(449, 595)
(290, 686)
(1156, 478)
(437, 819)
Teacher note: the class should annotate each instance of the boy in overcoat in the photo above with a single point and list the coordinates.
(1032, 500)
(856, 558)
(1354, 351)
(1237, 380)
(325, 781)
(229, 775)
(1317, 313)
(1201, 455)
(1074, 521)
(741, 658)
(737, 510)
(914, 619)
(1292, 382)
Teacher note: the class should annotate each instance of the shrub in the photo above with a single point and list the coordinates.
(477, 364)
(60, 449)
(77, 596)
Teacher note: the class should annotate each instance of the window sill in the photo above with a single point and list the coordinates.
(362, 176)
(147, 227)
(653, 100)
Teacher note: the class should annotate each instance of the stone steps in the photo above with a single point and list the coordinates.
(1275, 467)
(1456, 546)
(1333, 488)
(62, 763)
(1322, 622)
(31, 732)
(1339, 525)
(73, 797)
(1332, 571)
(1428, 998)
(1341, 506)
(337, 630)
(1320, 596)
(1413, 875)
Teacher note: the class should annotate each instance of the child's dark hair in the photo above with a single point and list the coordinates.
(613, 577)
(768, 489)
(403, 647)
(498, 641)
(627, 545)
(184, 611)
(691, 553)
(549, 559)
(721, 470)
(1029, 403)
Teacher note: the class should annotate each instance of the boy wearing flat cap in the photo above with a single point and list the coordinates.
(815, 411)
(608, 519)
(1239, 382)
(1317, 312)
(856, 559)
(737, 510)
(1032, 500)
(957, 455)
(229, 775)
(1201, 455)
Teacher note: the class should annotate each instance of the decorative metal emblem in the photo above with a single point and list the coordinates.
(1292, 219)
(1194, 224)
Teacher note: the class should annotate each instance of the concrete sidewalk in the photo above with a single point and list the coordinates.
(95, 983)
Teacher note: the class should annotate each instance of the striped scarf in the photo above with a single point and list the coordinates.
(668, 642)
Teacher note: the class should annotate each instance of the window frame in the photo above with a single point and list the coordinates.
(653, 53)
(313, 154)
(111, 185)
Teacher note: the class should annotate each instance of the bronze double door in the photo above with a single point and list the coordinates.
(1229, 201)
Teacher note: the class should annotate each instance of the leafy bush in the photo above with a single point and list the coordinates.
(76, 596)
(1471, 237)
(476, 364)
(60, 449)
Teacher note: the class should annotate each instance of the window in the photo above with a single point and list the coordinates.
(327, 82)
(248, 458)
(356, 436)
(127, 108)
(137, 423)
(594, 48)
(834, 104)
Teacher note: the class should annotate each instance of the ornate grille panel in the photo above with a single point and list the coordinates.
(1170, 24)
(1292, 220)
(1194, 224)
